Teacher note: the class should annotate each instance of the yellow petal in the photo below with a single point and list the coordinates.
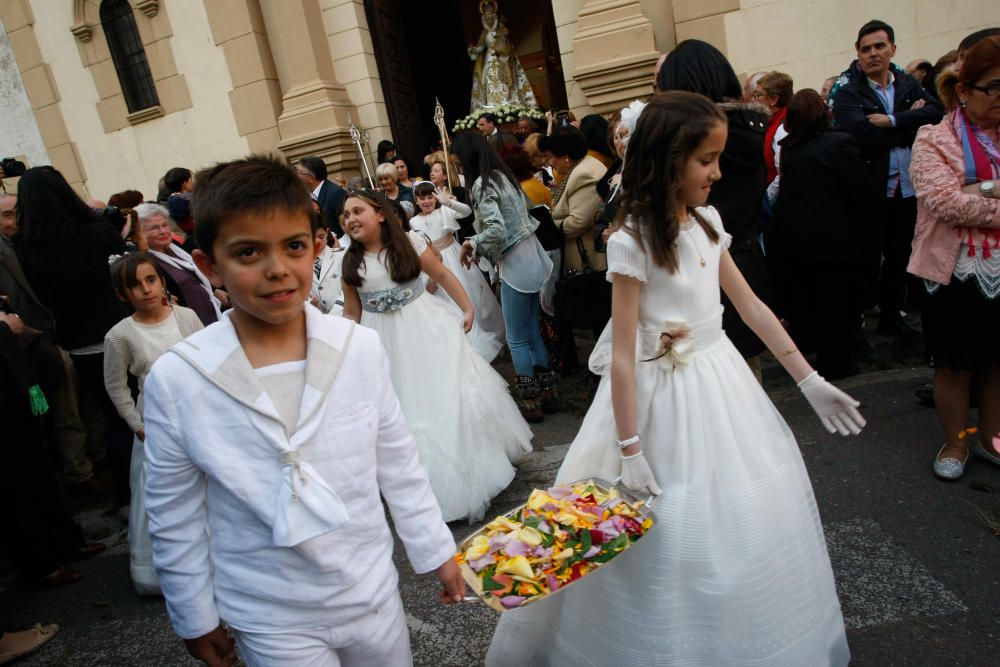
(518, 565)
(539, 499)
(565, 519)
(503, 524)
(530, 536)
(563, 555)
(480, 547)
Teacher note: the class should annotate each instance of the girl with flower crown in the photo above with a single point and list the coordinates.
(735, 571)
(467, 427)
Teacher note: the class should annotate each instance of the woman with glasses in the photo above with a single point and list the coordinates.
(185, 281)
(956, 250)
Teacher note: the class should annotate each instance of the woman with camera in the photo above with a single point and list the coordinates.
(63, 247)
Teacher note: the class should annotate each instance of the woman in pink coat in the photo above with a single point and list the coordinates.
(956, 250)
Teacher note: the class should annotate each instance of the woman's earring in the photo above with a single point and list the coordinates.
(962, 104)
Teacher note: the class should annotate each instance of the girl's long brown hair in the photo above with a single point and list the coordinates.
(400, 258)
(669, 130)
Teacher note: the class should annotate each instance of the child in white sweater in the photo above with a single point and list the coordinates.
(131, 346)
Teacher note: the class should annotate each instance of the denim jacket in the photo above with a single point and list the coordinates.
(504, 216)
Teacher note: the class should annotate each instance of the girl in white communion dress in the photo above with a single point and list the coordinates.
(735, 571)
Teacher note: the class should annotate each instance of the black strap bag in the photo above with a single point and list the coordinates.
(578, 292)
(550, 236)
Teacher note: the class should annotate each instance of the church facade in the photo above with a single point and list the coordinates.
(115, 92)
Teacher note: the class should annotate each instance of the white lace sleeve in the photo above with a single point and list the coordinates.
(712, 216)
(626, 256)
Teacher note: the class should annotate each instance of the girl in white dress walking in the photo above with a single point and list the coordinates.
(735, 571)
(131, 346)
(468, 428)
(437, 218)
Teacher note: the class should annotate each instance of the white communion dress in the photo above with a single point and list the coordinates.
(735, 571)
(487, 335)
(467, 426)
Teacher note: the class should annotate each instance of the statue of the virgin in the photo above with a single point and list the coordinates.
(498, 78)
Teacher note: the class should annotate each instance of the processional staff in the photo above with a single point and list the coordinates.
(443, 130)
(359, 136)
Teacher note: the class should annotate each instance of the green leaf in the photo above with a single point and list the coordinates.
(547, 539)
(532, 521)
(490, 585)
(585, 541)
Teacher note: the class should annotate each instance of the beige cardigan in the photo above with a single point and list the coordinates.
(576, 213)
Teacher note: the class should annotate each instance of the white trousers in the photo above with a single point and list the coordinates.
(378, 639)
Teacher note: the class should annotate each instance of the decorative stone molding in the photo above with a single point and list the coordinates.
(147, 7)
(142, 115)
(82, 28)
(615, 53)
(82, 31)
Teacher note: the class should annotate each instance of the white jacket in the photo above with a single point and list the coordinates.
(327, 287)
(271, 532)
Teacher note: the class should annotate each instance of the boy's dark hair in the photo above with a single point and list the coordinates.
(595, 130)
(565, 142)
(383, 148)
(315, 166)
(124, 271)
(669, 130)
(699, 67)
(175, 178)
(874, 26)
(401, 259)
(977, 37)
(258, 183)
(490, 117)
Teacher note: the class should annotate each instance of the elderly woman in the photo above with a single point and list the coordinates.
(956, 250)
(184, 281)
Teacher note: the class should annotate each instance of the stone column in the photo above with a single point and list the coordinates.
(615, 53)
(313, 119)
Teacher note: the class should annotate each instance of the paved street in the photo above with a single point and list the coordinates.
(917, 568)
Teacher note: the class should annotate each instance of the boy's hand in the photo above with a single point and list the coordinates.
(451, 578)
(215, 649)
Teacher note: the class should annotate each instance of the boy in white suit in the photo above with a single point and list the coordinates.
(269, 437)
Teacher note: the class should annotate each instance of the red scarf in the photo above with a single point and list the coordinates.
(777, 118)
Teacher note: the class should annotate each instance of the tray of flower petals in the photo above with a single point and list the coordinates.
(555, 539)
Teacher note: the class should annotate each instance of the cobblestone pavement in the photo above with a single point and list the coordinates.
(917, 567)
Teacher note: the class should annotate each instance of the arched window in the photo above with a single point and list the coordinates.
(128, 55)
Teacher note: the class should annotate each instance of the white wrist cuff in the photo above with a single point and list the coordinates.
(631, 456)
(622, 444)
(809, 379)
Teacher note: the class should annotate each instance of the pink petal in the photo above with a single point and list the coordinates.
(592, 551)
(481, 562)
(512, 601)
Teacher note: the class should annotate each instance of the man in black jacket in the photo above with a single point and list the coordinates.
(882, 107)
(331, 197)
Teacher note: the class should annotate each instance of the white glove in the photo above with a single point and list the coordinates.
(637, 477)
(835, 409)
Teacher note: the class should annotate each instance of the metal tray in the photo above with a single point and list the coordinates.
(475, 584)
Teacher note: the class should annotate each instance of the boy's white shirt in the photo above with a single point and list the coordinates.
(298, 533)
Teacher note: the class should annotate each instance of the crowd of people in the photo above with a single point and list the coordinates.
(162, 350)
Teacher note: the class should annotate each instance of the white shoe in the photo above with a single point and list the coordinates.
(949, 467)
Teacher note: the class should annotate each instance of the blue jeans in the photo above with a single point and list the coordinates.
(521, 316)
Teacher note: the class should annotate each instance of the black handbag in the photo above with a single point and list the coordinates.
(550, 236)
(578, 292)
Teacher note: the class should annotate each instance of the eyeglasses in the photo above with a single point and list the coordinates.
(992, 88)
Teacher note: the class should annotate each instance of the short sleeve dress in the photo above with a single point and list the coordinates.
(735, 571)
